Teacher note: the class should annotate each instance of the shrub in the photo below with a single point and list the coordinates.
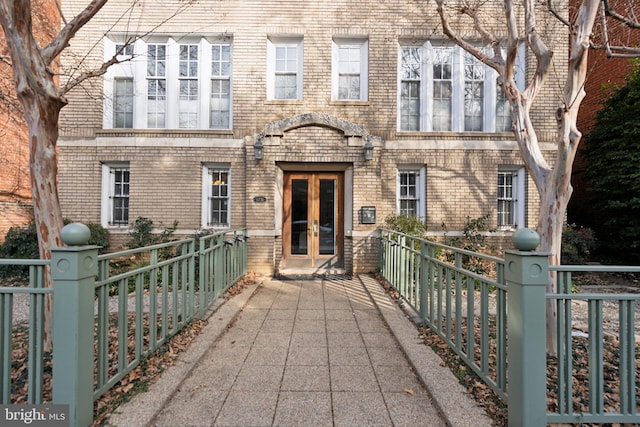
(473, 239)
(142, 233)
(578, 243)
(410, 225)
(22, 243)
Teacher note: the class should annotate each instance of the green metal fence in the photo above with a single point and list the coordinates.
(112, 310)
(481, 306)
(611, 371)
(31, 295)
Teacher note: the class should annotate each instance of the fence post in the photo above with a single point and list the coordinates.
(73, 272)
(527, 274)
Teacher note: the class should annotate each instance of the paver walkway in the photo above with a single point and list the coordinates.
(300, 353)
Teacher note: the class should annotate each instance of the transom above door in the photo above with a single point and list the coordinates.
(313, 224)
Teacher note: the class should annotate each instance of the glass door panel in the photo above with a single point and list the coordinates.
(299, 216)
(327, 216)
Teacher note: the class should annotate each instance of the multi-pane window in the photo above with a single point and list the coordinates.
(503, 111)
(350, 68)
(410, 88)
(474, 74)
(506, 199)
(510, 197)
(286, 72)
(284, 68)
(123, 103)
(349, 72)
(410, 191)
(172, 84)
(115, 194)
(156, 85)
(220, 86)
(188, 86)
(216, 197)
(443, 88)
(124, 49)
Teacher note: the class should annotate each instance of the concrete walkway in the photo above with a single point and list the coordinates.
(322, 352)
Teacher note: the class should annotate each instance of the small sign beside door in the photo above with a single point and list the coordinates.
(260, 199)
(368, 215)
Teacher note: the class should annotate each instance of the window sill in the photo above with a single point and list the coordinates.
(283, 102)
(454, 133)
(119, 133)
(345, 102)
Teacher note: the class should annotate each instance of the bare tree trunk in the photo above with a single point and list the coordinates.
(44, 187)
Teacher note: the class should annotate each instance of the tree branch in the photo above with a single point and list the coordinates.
(610, 11)
(61, 41)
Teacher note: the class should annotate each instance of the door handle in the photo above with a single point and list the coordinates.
(315, 228)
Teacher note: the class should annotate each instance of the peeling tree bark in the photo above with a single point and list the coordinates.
(41, 101)
(553, 183)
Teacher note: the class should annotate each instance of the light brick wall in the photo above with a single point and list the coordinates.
(166, 179)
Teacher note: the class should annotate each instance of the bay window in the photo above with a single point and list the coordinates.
(443, 88)
(167, 83)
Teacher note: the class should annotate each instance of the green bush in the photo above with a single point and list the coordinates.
(22, 243)
(142, 233)
(474, 238)
(410, 225)
(578, 243)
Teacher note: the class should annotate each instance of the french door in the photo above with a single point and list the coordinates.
(313, 220)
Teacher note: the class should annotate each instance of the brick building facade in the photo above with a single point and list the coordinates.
(604, 76)
(297, 120)
(15, 183)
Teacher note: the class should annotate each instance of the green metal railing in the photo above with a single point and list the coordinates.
(223, 260)
(439, 283)
(473, 302)
(112, 310)
(154, 299)
(36, 293)
(606, 369)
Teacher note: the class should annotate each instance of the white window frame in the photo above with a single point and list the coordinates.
(421, 179)
(457, 114)
(518, 197)
(283, 42)
(116, 82)
(207, 169)
(188, 106)
(136, 68)
(107, 194)
(363, 45)
(221, 77)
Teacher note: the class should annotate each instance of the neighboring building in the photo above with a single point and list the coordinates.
(308, 123)
(604, 76)
(15, 182)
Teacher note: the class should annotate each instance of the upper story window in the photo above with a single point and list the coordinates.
(156, 85)
(443, 88)
(349, 76)
(188, 86)
(124, 50)
(169, 84)
(220, 86)
(284, 68)
(123, 103)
